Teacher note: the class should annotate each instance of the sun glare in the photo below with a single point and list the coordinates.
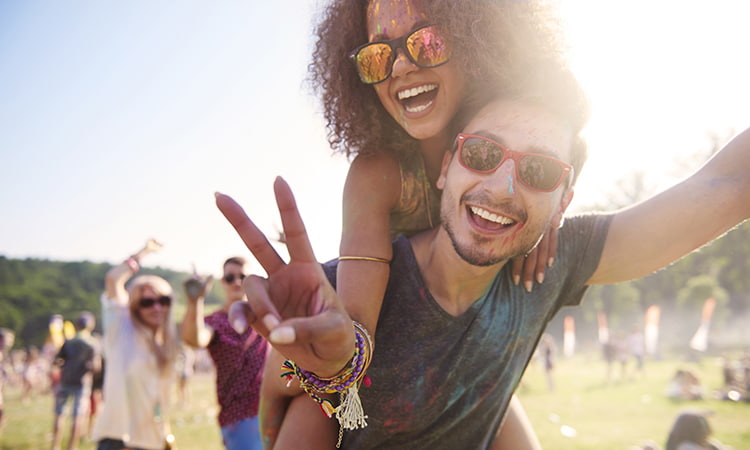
(662, 77)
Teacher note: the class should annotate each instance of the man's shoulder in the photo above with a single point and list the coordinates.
(76, 343)
(586, 226)
(585, 218)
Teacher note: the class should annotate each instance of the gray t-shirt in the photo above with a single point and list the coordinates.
(444, 382)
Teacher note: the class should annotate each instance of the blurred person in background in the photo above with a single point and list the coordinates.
(691, 431)
(76, 359)
(140, 345)
(239, 358)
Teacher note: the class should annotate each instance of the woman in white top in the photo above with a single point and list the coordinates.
(140, 348)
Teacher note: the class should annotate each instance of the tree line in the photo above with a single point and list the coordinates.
(32, 290)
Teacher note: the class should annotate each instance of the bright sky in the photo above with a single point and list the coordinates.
(119, 120)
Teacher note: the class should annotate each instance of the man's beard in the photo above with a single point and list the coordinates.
(471, 252)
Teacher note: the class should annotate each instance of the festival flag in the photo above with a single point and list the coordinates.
(651, 329)
(699, 341)
(569, 336)
(603, 329)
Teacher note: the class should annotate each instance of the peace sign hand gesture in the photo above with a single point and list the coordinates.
(296, 309)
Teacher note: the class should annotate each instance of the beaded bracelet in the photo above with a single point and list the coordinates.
(349, 413)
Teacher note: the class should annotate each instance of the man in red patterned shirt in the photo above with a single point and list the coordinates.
(238, 357)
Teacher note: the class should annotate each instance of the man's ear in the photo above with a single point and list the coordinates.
(447, 156)
(567, 197)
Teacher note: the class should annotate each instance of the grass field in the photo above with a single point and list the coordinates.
(585, 411)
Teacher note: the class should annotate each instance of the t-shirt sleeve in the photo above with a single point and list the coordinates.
(580, 245)
(113, 316)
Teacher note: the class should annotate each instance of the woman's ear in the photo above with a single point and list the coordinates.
(567, 197)
(447, 156)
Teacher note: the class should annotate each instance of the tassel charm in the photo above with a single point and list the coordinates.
(350, 413)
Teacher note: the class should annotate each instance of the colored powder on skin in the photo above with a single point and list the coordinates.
(513, 235)
(510, 185)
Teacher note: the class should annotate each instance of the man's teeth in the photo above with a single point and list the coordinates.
(486, 215)
(413, 92)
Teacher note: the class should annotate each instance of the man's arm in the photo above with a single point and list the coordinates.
(194, 330)
(651, 235)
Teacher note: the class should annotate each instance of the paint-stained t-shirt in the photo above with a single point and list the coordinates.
(444, 382)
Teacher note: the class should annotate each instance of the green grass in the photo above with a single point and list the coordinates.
(619, 414)
(605, 415)
(29, 426)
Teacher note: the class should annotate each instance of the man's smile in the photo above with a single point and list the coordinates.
(489, 220)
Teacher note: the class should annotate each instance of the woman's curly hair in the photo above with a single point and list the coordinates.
(493, 42)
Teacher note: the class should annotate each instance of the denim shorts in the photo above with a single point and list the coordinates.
(80, 399)
(242, 435)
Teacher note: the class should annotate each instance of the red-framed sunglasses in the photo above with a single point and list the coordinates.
(425, 47)
(537, 172)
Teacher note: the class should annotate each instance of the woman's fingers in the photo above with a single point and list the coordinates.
(297, 241)
(259, 310)
(552, 252)
(253, 238)
(240, 316)
(529, 268)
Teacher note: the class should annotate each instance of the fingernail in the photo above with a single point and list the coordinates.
(528, 285)
(270, 321)
(516, 279)
(217, 194)
(550, 261)
(239, 324)
(540, 277)
(282, 335)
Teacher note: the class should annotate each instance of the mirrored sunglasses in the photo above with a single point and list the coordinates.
(537, 172)
(147, 302)
(425, 47)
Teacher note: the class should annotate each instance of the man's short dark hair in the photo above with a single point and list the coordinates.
(239, 260)
(555, 89)
(86, 320)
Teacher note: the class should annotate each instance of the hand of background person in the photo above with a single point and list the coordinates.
(152, 246)
(296, 309)
(196, 287)
(532, 267)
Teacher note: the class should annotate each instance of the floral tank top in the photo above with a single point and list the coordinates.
(419, 206)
